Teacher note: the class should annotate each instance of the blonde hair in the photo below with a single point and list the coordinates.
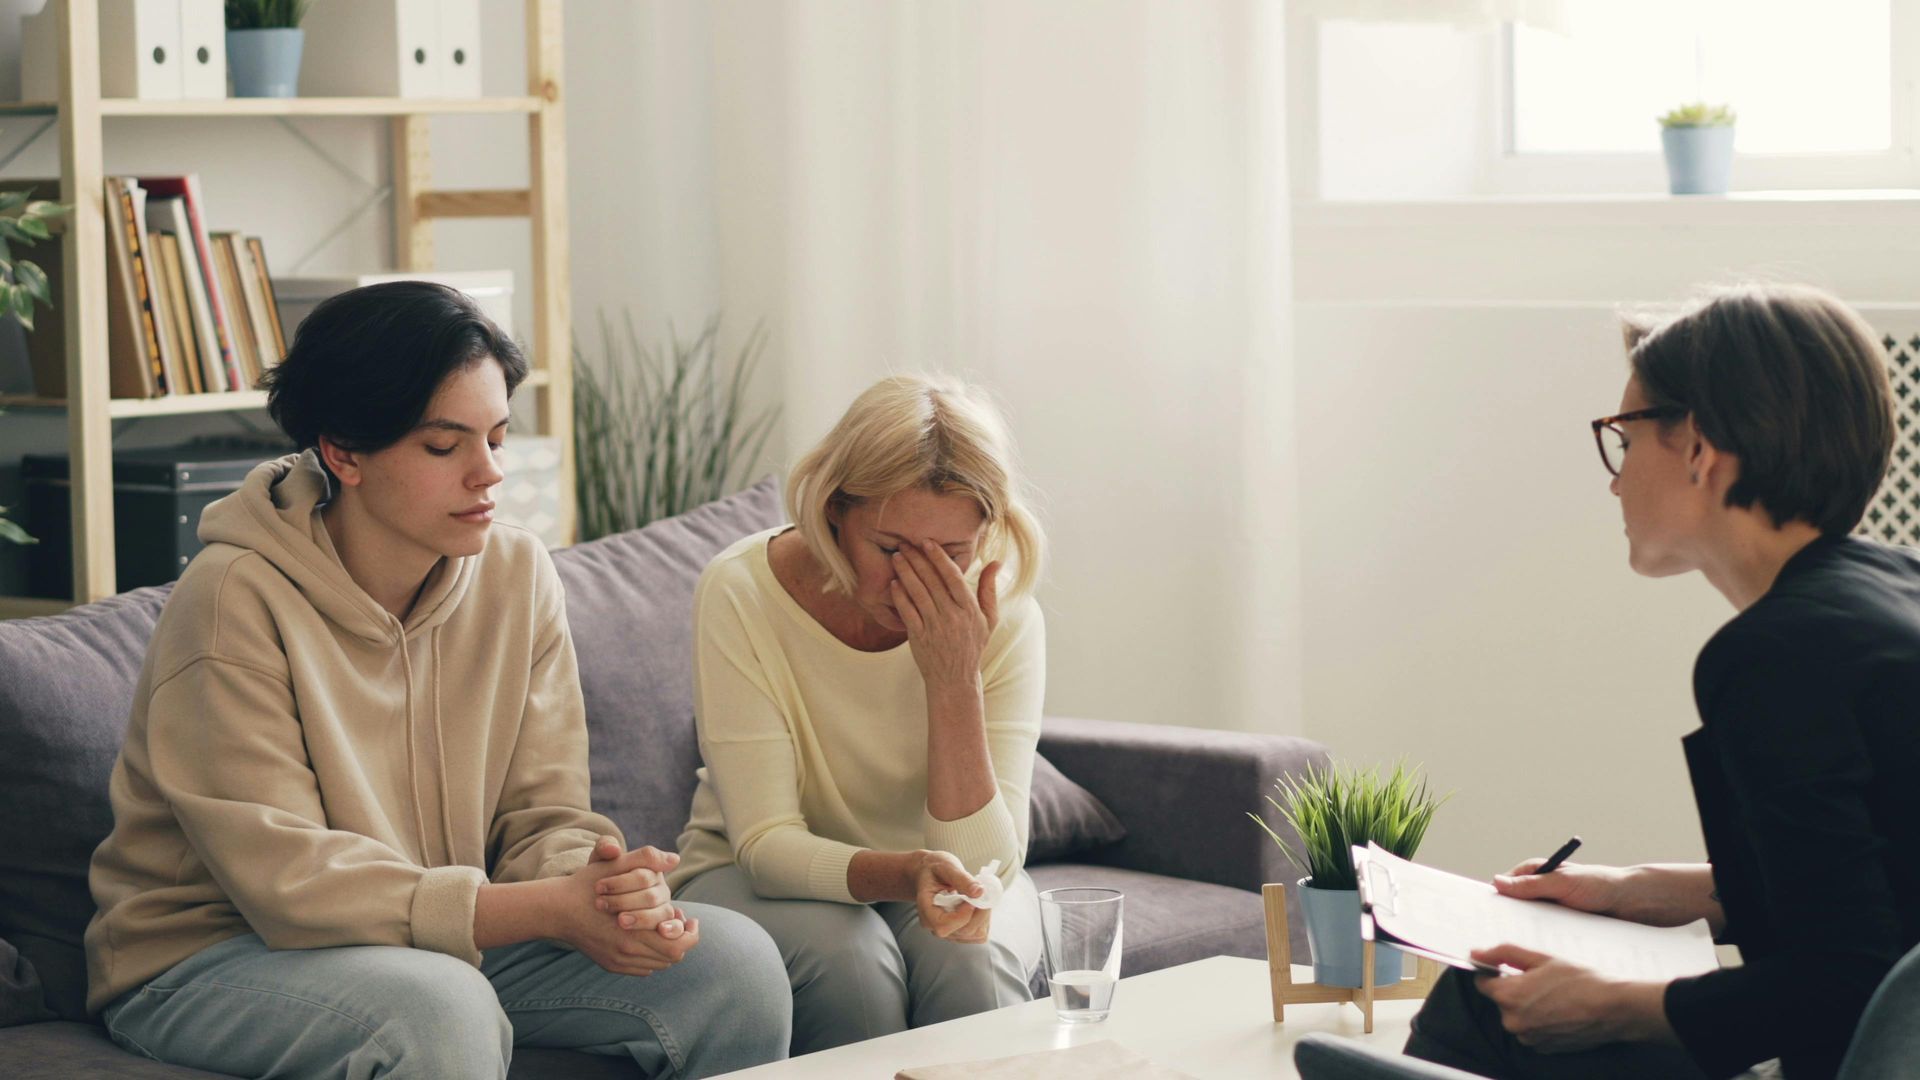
(913, 431)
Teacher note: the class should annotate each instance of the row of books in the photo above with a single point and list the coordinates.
(189, 310)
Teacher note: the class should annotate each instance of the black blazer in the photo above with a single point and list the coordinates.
(1806, 770)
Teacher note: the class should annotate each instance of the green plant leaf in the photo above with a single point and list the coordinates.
(12, 532)
(32, 228)
(34, 279)
(10, 200)
(19, 304)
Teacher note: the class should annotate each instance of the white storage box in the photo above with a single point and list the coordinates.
(392, 48)
(151, 49)
(492, 290)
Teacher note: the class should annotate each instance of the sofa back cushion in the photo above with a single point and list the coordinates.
(66, 690)
(630, 606)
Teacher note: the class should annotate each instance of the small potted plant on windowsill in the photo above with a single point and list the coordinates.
(263, 46)
(1698, 142)
(1334, 810)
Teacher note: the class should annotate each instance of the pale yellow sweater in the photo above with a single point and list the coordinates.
(302, 765)
(815, 750)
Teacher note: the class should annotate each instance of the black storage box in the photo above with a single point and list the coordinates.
(158, 494)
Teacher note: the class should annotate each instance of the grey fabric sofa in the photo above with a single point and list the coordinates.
(1190, 862)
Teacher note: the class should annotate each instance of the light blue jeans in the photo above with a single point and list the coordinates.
(864, 970)
(383, 1011)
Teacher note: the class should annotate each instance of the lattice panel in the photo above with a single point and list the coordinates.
(1894, 514)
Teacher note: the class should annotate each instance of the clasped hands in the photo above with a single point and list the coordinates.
(620, 913)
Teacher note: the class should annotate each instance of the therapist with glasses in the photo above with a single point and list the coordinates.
(1755, 428)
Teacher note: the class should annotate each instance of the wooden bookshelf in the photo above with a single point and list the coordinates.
(90, 411)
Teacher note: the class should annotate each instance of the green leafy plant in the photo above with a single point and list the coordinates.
(1699, 114)
(1333, 809)
(265, 14)
(23, 222)
(659, 432)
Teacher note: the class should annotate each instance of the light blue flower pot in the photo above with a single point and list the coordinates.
(1333, 936)
(1699, 159)
(265, 63)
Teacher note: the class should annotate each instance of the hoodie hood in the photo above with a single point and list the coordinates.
(276, 514)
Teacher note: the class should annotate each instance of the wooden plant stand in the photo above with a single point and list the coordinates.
(1287, 992)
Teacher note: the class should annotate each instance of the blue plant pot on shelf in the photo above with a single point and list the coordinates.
(1333, 936)
(1699, 159)
(265, 63)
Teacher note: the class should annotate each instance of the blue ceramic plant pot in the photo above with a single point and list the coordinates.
(1699, 159)
(264, 63)
(1333, 936)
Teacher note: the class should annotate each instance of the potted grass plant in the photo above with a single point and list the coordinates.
(1332, 810)
(263, 46)
(1697, 140)
(657, 432)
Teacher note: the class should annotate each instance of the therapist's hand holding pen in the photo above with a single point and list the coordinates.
(1585, 888)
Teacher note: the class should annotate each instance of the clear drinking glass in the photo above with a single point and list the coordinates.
(1082, 932)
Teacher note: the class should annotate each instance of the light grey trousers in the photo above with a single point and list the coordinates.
(862, 970)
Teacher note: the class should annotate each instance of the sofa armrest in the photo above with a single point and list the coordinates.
(1184, 794)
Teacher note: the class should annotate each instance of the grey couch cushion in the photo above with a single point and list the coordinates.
(1167, 921)
(64, 705)
(630, 606)
(1067, 818)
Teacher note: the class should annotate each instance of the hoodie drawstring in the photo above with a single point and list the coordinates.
(440, 746)
(413, 760)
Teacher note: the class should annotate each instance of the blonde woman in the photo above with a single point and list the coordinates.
(868, 701)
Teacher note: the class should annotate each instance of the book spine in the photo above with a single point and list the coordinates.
(148, 321)
(216, 296)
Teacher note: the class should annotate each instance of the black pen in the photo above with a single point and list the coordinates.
(1558, 857)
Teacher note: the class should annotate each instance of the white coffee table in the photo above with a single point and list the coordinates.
(1210, 1018)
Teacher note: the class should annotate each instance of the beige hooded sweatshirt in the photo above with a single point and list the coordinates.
(302, 765)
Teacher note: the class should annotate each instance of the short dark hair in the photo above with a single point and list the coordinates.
(365, 364)
(1789, 380)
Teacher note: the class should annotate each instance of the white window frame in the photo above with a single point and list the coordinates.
(1508, 172)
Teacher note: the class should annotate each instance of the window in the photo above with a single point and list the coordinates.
(1803, 77)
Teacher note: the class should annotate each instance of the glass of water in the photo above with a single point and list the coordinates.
(1082, 932)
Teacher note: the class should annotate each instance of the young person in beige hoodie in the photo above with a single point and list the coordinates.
(352, 833)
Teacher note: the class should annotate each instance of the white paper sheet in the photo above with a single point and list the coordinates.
(1450, 916)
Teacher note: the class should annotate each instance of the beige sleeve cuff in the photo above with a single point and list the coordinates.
(562, 863)
(977, 839)
(442, 916)
(827, 872)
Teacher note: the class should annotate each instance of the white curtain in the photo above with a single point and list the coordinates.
(1080, 204)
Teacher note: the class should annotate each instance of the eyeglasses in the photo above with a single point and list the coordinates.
(1612, 441)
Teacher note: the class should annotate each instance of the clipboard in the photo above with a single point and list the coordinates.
(1377, 888)
(1446, 917)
